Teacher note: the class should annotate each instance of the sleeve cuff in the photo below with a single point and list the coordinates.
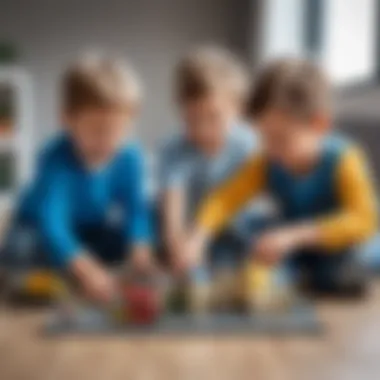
(64, 258)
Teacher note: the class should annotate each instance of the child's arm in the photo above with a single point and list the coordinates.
(353, 223)
(54, 214)
(222, 205)
(172, 198)
(357, 218)
(136, 208)
(172, 210)
(58, 235)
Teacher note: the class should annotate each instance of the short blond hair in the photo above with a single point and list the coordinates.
(100, 82)
(207, 70)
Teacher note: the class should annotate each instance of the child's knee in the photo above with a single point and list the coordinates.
(334, 273)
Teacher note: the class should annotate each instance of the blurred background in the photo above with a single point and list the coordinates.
(37, 40)
(39, 37)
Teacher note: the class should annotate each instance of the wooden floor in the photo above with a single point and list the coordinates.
(349, 349)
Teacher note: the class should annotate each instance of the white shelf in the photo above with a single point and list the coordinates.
(19, 143)
(13, 74)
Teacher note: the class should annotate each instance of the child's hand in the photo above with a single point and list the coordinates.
(142, 260)
(273, 246)
(192, 252)
(175, 251)
(186, 260)
(97, 283)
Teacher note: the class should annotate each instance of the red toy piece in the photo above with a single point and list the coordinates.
(141, 304)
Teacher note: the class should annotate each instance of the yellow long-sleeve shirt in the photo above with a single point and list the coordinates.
(352, 220)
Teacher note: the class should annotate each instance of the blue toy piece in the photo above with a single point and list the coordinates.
(200, 275)
(369, 254)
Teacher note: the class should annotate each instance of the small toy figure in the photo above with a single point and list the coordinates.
(176, 296)
(224, 289)
(286, 294)
(267, 288)
(118, 310)
(32, 285)
(257, 286)
(141, 304)
(199, 291)
(141, 298)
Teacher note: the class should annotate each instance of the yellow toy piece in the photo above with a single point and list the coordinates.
(258, 277)
(262, 290)
(257, 285)
(42, 284)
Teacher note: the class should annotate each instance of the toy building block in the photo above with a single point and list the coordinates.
(225, 289)
(140, 298)
(33, 285)
(258, 286)
(176, 301)
(267, 288)
(141, 304)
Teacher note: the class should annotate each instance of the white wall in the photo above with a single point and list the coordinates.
(152, 33)
(348, 39)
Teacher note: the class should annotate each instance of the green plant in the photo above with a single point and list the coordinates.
(8, 53)
(6, 111)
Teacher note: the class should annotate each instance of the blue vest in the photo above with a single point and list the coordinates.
(310, 195)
